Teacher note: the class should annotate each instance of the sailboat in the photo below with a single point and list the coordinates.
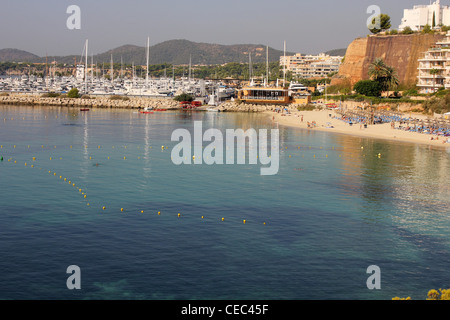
(86, 74)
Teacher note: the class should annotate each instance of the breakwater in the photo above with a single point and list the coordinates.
(97, 102)
(129, 103)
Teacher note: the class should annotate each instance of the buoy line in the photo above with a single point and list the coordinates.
(103, 208)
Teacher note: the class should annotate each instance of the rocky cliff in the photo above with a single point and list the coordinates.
(398, 51)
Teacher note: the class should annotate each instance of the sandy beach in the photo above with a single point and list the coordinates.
(327, 123)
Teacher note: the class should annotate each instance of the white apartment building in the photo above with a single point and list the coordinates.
(434, 67)
(422, 15)
(311, 66)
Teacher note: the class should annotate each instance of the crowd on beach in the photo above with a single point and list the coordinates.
(438, 129)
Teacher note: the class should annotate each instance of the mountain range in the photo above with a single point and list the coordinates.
(175, 52)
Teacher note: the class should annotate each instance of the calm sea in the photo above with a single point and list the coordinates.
(310, 232)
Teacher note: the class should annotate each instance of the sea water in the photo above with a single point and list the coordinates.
(140, 227)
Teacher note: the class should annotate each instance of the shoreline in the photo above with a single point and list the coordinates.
(378, 131)
(324, 122)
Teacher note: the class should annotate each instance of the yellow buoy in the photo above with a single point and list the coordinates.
(244, 221)
(121, 209)
(104, 208)
(142, 211)
(223, 219)
(85, 196)
(159, 213)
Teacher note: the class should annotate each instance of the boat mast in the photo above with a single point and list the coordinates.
(250, 66)
(267, 65)
(190, 63)
(121, 67)
(284, 65)
(92, 69)
(112, 69)
(148, 57)
(85, 66)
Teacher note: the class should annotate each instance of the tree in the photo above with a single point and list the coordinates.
(368, 88)
(407, 30)
(184, 97)
(73, 93)
(385, 23)
(385, 75)
(427, 29)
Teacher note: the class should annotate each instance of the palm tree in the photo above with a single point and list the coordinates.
(385, 75)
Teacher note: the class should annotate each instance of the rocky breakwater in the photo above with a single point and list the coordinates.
(98, 102)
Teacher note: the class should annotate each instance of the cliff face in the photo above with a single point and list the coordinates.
(398, 51)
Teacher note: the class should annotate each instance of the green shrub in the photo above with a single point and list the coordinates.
(119, 98)
(73, 93)
(368, 88)
(184, 97)
(51, 95)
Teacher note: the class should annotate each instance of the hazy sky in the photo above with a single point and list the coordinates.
(308, 26)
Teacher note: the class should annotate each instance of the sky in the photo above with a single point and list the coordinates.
(307, 26)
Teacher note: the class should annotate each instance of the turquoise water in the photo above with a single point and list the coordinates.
(311, 231)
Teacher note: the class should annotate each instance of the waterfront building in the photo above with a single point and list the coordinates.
(434, 15)
(434, 67)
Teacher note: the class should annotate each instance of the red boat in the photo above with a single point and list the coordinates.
(146, 112)
(84, 109)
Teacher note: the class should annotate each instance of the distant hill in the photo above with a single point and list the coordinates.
(337, 52)
(173, 52)
(15, 55)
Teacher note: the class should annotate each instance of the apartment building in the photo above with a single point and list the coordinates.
(311, 66)
(434, 67)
